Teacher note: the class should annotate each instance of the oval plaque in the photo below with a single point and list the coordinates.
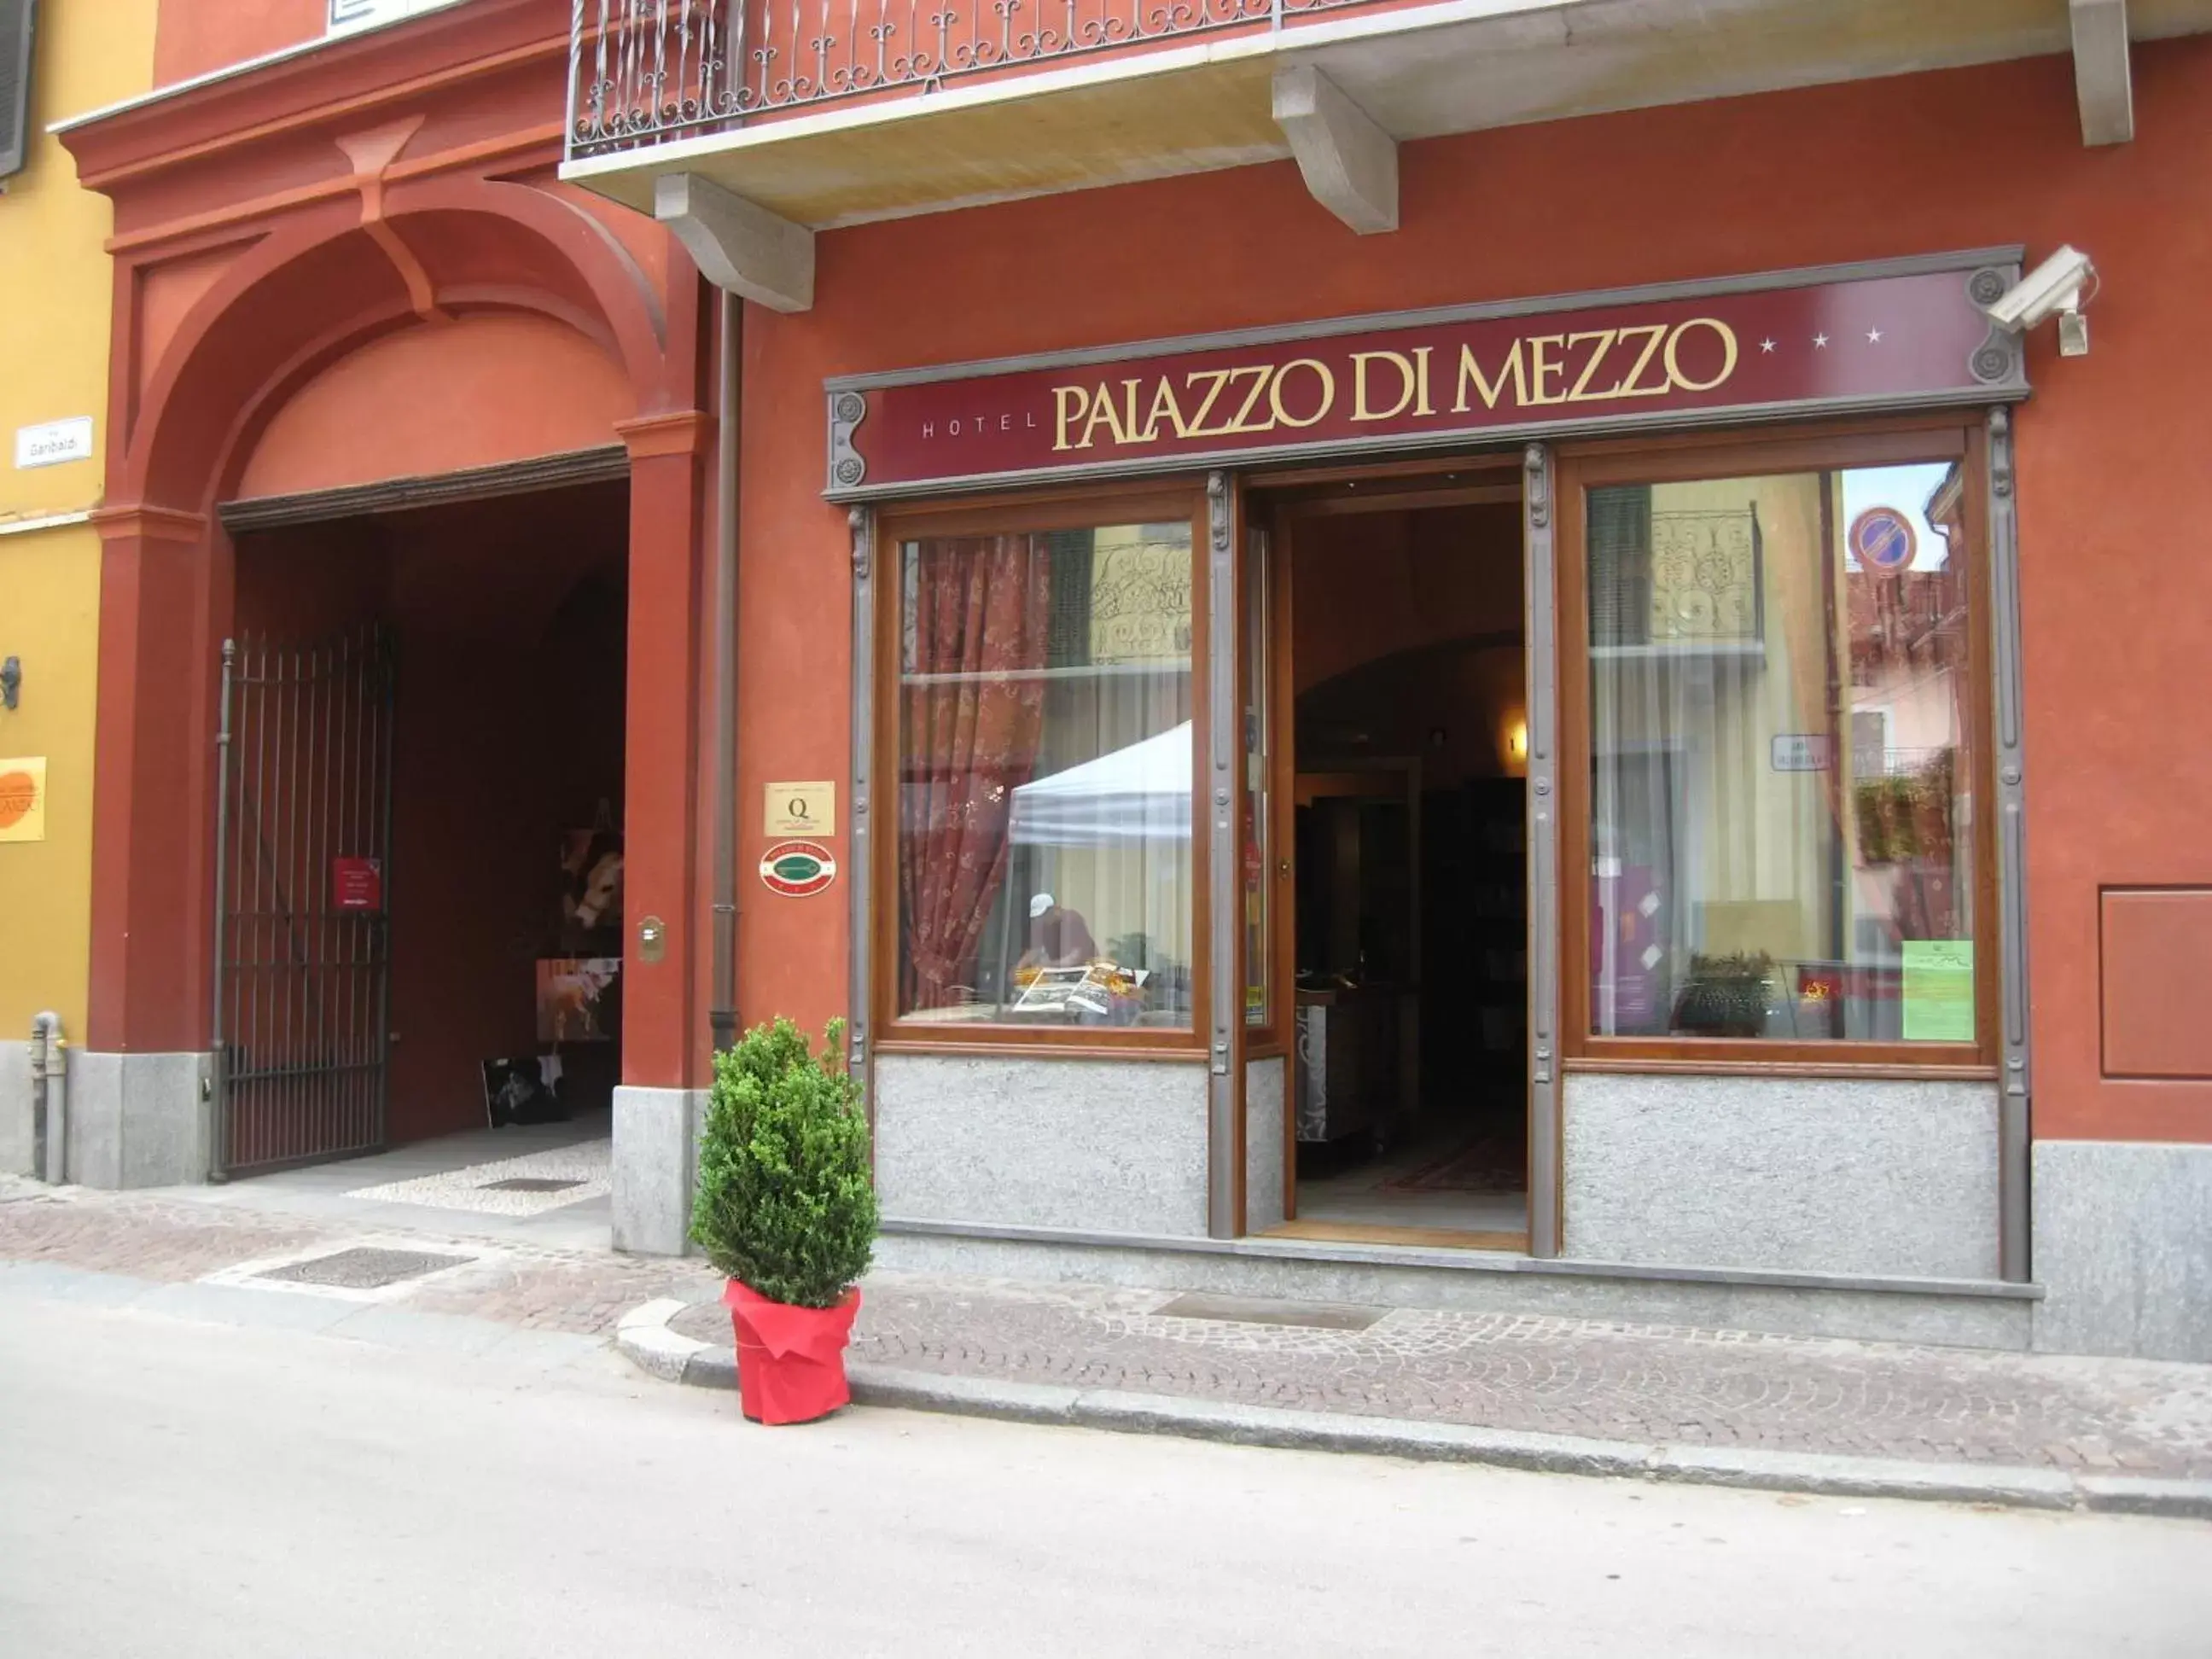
(797, 868)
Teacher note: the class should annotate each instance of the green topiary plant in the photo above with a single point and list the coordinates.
(785, 1203)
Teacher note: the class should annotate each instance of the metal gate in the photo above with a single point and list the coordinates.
(302, 936)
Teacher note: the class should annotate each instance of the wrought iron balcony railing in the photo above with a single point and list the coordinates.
(648, 71)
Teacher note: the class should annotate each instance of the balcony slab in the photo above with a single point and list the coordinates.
(1199, 102)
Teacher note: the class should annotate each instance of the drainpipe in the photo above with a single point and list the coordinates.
(722, 1009)
(48, 1100)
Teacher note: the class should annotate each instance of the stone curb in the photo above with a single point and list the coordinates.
(644, 1336)
(2126, 1494)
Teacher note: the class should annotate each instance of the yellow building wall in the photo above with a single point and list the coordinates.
(56, 282)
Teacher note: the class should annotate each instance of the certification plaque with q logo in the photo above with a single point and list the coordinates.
(801, 809)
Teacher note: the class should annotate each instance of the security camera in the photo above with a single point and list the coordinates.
(2053, 289)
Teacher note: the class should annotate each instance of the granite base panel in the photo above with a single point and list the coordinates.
(656, 1167)
(2122, 1246)
(18, 1113)
(1264, 1094)
(1102, 1146)
(1887, 1178)
(1486, 1284)
(140, 1120)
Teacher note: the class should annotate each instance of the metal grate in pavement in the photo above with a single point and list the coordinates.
(528, 1184)
(1268, 1310)
(363, 1267)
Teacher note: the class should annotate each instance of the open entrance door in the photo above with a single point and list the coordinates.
(1265, 1068)
(419, 901)
(1390, 769)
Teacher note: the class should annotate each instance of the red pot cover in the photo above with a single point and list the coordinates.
(790, 1361)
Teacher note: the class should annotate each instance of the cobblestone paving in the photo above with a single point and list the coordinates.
(144, 1240)
(582, 1292)
(1660, 1384)
(584, 1295)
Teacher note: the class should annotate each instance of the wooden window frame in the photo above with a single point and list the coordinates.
(1147, 501)
(1825, 446)
(1272, 1037)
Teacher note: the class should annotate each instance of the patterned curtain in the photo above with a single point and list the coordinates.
(972, 713)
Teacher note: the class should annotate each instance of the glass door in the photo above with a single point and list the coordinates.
(1385, 723)
(1261, 883)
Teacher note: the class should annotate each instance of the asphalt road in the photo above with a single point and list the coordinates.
(175, 1488)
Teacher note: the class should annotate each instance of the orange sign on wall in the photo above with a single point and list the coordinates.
(23, 799)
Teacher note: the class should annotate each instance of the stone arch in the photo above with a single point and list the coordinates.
(318, 290)
(190, 399)
(484, 388)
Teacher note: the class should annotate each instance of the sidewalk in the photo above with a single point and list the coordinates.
(1591, 1382)
(175, 1241)
(1543, 1392)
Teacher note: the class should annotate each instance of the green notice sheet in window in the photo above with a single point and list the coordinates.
(1939, 990)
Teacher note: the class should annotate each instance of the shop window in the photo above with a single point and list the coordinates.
(1782, 693)
(1044, 730)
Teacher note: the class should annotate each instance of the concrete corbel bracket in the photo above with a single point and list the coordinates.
(2102, 84)
(1349, 163)
(739, 245)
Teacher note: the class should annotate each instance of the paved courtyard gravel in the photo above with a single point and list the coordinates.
(1601, 1380)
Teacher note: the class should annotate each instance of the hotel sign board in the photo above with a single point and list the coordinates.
(1909, 333)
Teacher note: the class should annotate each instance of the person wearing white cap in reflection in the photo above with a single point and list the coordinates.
(1059, 937)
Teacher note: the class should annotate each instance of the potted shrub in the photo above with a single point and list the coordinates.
(786, 1209)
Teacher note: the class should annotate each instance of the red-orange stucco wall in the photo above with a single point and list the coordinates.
(2112, 481)
(477, 390)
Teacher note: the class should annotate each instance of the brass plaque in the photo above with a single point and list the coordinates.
(801, 809)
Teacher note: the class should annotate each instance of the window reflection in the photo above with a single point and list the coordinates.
(1045, 777)
(1782, 695)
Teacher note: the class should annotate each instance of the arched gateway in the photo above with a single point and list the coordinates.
(381, 387)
